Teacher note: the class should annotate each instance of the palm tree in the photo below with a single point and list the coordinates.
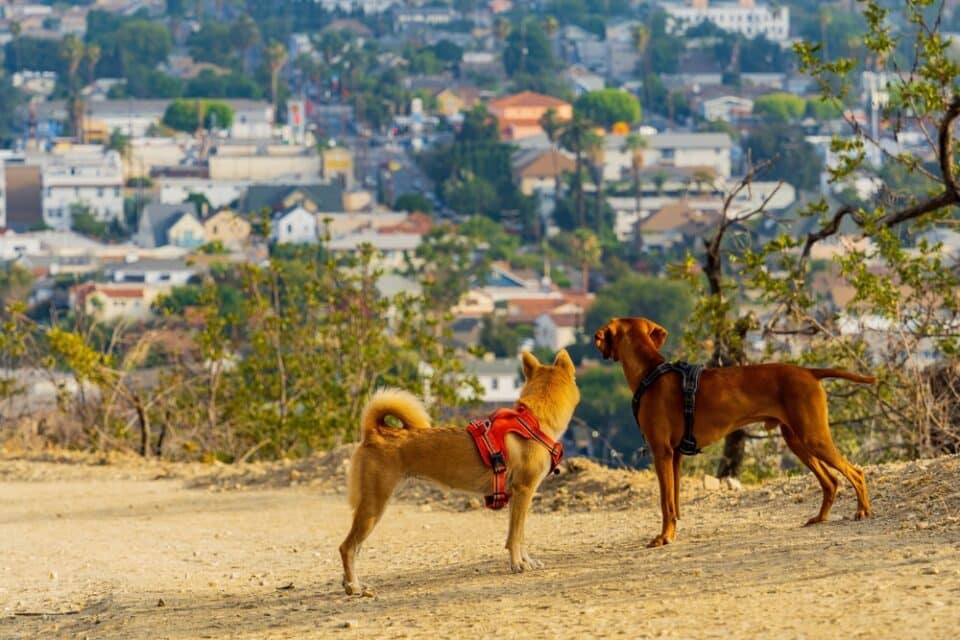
(93, 57)
(72, 50)
(596, 153)
(276, 57)
(641, 40)
(552, 127)
(550, 26)
(245, 35)
(573, 138)
(502, 28)
(586, 249)
(635, 144)
(702, 177)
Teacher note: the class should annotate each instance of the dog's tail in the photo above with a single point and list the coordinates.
(402, 405)
(390, 401)
(841, 373)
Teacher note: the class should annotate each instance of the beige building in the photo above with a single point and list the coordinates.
(338, 165)
(227, 227)
(537, 171)
(263, 162)
(115, 301)
(187, 232)
(519, 115)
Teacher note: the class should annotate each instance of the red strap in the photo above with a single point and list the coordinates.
(490, 434)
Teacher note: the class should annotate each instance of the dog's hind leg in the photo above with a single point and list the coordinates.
(677, 459)
(828, 453)
(373, 501)
(828, 482)
(813, 430)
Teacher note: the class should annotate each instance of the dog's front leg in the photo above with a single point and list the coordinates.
(519, 506)
(664, 465)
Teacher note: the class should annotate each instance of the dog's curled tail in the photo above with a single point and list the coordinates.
(390, 401)
(842, 373)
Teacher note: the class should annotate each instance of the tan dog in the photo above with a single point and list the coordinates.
(729, 398)
(448, 456)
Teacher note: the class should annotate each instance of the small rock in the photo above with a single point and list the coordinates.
(475, 504)
(161, 603)
(294, 475)
(923, 524)
(426, 508)
(53, 575)
(930, 571)
(349, 624)
(710, 483)
(731, 483)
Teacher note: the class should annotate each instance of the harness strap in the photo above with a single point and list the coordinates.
(489, 435)
(690, 383)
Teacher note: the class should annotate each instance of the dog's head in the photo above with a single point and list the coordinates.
(636, 331)
(550, 389)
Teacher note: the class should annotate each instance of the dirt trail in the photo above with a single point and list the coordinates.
(126, 549)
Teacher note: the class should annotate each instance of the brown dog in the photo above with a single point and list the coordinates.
(729, 398)
(449, 456)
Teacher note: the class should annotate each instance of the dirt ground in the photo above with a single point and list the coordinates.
(117, 548)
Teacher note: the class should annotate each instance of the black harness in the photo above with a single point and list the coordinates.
(690, 374)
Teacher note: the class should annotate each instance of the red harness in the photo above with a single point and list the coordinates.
(491, 432)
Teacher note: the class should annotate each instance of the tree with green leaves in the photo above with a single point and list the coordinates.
(607, 107)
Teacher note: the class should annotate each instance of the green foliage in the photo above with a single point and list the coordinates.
(605, 401)
(667, 303)
(500, 339)
(183, 115)
(528, 50)
(413, 202)
(232, 85)
(608, 106)
(794, 159)
(780, 107)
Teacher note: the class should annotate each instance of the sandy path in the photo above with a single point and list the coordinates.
(112, 546)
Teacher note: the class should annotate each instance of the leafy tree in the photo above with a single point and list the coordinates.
(606, 107)
(667, 303)
(234, 85)
(498, 338)
(793, 158)
(780, 107)
(184, 115)
(413, 202)
(528, 50)
(213, 42)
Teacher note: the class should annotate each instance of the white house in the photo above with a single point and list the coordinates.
(500, 379)
(85, 176)
(712, 150)
(393, 248)
(152, 271)
(219, 193)
(729, 108)
(294, 226)
(745, 17)
(3, 197)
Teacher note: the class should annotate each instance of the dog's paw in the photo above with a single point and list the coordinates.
(659, 541)
(531, 563)
(357, 589)
(814, 520)
(863, 513)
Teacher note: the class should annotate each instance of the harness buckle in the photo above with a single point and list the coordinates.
(688, 446)
(497, 462)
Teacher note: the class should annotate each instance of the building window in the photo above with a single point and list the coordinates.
(495, 383)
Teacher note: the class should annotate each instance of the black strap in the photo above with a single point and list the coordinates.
(690, 379)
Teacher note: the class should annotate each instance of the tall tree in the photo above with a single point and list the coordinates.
(276, 55)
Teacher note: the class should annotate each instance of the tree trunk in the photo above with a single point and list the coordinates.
(581, 212)
(734, 447)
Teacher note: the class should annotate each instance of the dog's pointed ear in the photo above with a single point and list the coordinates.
(529, 363)
(657, 334)
(563, 360)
